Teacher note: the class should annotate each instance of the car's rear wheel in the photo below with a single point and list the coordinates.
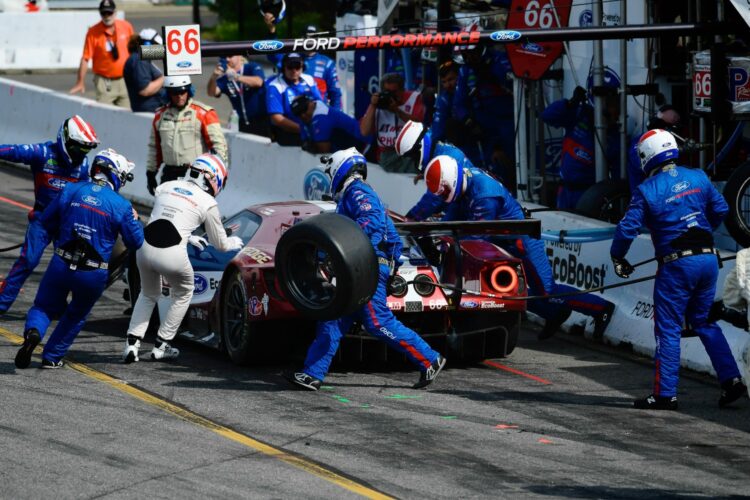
(236, 331)
(327, 266)
(606, 200)
(737, 194)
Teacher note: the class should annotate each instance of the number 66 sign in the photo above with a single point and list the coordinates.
(183, 49)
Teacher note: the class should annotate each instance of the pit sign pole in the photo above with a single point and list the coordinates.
(183, 50)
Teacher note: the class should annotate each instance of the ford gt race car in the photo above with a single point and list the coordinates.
(456, 293)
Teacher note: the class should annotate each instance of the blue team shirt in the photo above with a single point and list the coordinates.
(332, 125)
(138, 74)
(248, 102)
(280, 93)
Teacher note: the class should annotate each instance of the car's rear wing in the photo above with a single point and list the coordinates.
(497, 228)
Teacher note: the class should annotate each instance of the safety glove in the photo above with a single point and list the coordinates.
(623, 268)
(151, 181)
(198, 242)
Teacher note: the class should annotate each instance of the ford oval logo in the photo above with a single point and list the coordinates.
(316, 184)
(470, 304)
(680, 186)
(586, 19)
(184, 64)
(200, 284)
(580, 153)
(57, 183)
(92, 200)
(267, 45)
(505, 36)
(532, 47)
(183, 191)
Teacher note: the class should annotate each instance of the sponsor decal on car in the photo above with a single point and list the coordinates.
(469, 304)
(184, 64)
(257, 255)
(505, 36)
(183, 191)
(267, 45)
(92, 200)
(200, 284)
(256, 305)
(492, 305)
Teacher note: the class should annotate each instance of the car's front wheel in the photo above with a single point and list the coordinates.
(236, 331)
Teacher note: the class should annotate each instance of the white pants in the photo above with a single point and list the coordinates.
(174, 265)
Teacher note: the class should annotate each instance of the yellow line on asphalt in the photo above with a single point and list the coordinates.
(286, 457)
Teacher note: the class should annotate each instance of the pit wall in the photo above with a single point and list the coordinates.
(263, 172)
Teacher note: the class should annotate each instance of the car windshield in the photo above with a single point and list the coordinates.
(243, 224)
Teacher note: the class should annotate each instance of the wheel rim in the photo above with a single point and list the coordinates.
(310, 275)
(743, 206)
(235, 314)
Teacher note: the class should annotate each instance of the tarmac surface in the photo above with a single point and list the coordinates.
(554, 419)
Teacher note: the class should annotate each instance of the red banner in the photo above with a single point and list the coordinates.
(531, 59)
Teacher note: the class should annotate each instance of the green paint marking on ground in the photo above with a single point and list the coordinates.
(402, 396)
(341, 399)
(326, 387)
(449, 417)
(365, 406)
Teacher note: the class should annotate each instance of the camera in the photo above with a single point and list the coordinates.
(384, 99)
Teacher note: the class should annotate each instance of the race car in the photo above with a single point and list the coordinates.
(460, 295)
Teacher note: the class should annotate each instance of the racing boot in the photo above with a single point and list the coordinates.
(553, 324)
(656, 403)
(602, 320)
(31, 339)
(130, 354)
(162, 350)
(302, 379)
(430, 374)
(52, 365)
(731, 391)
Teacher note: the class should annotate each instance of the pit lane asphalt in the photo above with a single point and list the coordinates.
(478, 432)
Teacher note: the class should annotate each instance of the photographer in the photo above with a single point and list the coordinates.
(387, 113)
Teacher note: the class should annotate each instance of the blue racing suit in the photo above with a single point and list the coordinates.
(485, 96)
(360, 203)
(332, 125)
(52, 169)
(323, 69)
(443, 113)
(577, 168)
(86, 218)
(486, 198)
(681, 208)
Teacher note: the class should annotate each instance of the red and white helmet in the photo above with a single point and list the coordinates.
(414, 141)
(655, 148)
(209, 173)
(444, 178)
(77, 138)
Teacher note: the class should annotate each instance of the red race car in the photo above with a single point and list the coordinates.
(302, 262)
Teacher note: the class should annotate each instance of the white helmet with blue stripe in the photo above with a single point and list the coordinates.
(342, 165)
(209, 173)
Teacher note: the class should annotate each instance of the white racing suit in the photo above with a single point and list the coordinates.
(179, 208)
(737, 285)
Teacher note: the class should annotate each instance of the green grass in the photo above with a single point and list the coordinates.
(228, 30)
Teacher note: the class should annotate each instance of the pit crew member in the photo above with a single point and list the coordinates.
(53, 165)
(84, 221)
(180, 207)
(358, 201)
(181, 130)
(325, 129)
(681, 208)
(472, 194)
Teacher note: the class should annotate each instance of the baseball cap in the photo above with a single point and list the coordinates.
(292, 56)
(149, 36)
(107, 6)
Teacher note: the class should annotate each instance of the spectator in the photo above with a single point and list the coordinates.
(484, 104)
(323, 69)
(106, 47)
(143, 79)
(577, 170)
(387, 113)
(242, 81)
(444, 127)
(281, 91)
(182, 130)
(326, 129)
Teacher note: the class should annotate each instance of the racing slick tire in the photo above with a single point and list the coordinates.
(606, 200)
(236, 332)
(737, 194)
(327, 266)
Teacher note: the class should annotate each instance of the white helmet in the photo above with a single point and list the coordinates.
(444, 178)
(414, 141)
(179, 83)
(209, 173)
(655, 148)
(343, 164)
(76, 137)
(117, 170)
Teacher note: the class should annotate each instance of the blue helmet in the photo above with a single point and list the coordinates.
(342, 165)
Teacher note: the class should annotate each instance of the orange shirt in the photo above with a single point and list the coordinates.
(97, 48)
